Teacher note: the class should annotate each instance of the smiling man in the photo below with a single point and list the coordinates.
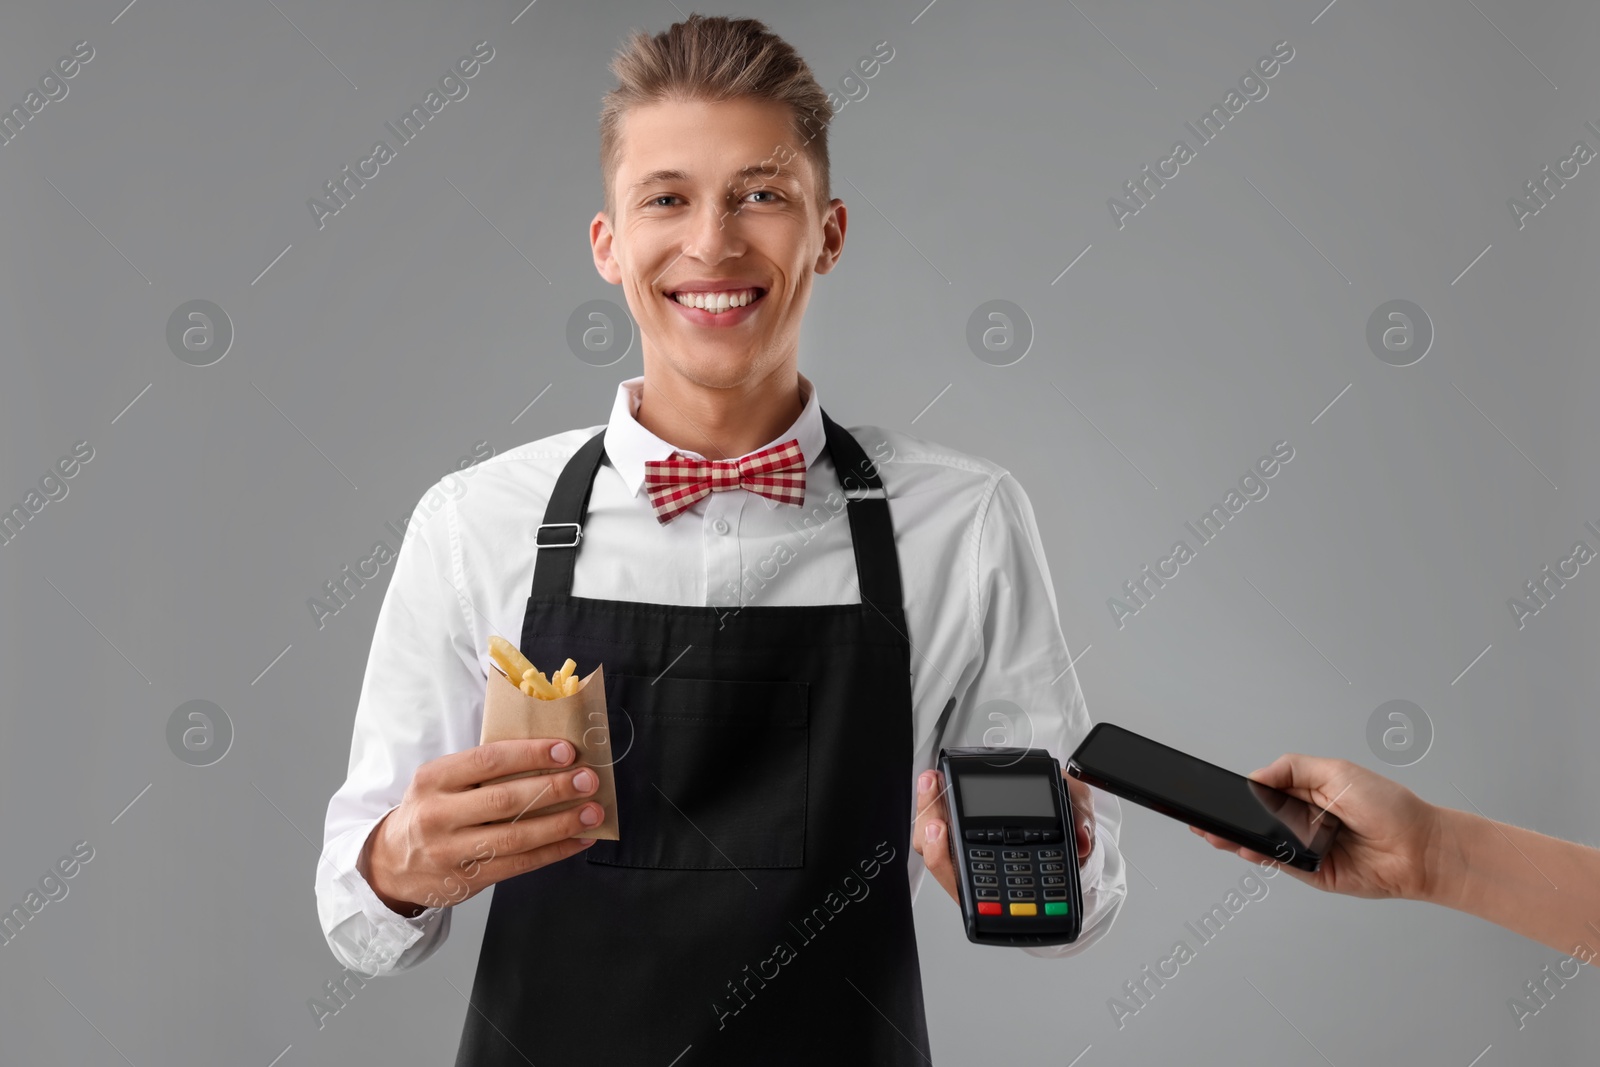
(790, 629)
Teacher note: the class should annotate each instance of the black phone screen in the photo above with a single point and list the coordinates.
(1123, 758)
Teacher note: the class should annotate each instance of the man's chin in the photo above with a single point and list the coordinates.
(712, 366)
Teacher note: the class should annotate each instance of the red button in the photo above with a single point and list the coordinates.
(988, 907)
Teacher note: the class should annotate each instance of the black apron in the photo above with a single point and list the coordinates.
(756, 909)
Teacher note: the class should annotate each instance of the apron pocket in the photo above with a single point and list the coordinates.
(710, 773)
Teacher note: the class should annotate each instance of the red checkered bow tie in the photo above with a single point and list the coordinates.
(675, 483)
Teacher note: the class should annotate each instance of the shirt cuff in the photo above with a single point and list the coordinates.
(1094, 868)
(362, 931)
(1105, 887)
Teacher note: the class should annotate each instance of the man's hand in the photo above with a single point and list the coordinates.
(1082, 798)
(435, 849)
(930, 835)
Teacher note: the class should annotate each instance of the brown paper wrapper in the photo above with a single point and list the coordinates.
(509, 713)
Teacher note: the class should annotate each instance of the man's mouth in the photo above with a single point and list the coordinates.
(719, 302)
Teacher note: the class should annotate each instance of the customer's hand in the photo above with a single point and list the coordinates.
(1391, 839)
(930, 834)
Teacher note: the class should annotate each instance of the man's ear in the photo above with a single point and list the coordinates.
(835, 220)
(600, 237)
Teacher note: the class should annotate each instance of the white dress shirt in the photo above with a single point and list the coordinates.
(979, 605)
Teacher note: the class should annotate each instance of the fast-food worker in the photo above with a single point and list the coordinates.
(782, 666)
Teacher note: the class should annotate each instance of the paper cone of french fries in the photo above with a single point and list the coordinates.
(509, 713)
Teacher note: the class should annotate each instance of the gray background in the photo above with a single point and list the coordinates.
(976, 168)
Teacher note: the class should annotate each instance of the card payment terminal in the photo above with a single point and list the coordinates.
(1015, 851)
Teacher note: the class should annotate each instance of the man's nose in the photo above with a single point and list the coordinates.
(712, 229)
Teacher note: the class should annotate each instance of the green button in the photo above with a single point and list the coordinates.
(1055, 907)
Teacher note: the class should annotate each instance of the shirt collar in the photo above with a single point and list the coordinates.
(629, 445)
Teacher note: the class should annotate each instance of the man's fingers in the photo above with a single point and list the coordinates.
(476, 876)
(930, 834)
(534, 830)
(930, 807)
(519, 797)
(469, 767)
(1082, 798)
(924, 801)
(502, 867)
(936, 846)
(930, 797)
(936, 855)
(479, 856)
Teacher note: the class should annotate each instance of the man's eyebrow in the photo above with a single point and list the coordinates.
(762, 171)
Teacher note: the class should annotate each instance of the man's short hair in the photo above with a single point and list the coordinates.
(715, 58)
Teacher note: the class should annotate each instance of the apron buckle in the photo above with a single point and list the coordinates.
(577, 535)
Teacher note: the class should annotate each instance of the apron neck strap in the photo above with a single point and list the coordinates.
(871, 530)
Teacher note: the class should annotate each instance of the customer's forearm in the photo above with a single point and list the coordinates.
(1539, 886)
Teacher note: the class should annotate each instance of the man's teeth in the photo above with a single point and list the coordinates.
(715, 302)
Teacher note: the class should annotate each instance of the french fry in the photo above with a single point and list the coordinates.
(530, 679)
(510, 659)
(541, 686)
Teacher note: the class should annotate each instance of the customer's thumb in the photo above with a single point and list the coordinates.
(1279, 774)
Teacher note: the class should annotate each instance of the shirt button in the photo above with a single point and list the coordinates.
(720, 526)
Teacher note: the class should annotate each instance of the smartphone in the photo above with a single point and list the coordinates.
(1202, 794)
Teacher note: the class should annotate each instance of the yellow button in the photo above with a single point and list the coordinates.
(1024, 909)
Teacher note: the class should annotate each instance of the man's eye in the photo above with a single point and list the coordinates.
(764, 192)
(664, 196)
